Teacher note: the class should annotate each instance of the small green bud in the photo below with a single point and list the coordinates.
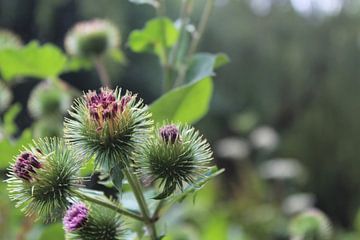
(46, 99)
(176, 156)
(311, 224)
(82, 222)
(108, 125)
(42, 178)
(92, 38)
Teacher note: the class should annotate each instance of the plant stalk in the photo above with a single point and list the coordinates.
(137, 190)
(195, 41)
(102, 72)
(109, 205)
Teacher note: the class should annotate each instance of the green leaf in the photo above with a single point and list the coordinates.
(118, 56)
(9, 148)
(77, 63)
(33, 60)
(151, 38)
(117, 177)
(186, 104)
(9, 119)
(202, 65)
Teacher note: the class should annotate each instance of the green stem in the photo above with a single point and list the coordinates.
(167, 82)
(102, 72)
(109, 205)
(195, 41)
(137, 190)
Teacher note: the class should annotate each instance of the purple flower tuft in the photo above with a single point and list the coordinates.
(169, 133)
(75, 217)
(103, 105)
(26, 164)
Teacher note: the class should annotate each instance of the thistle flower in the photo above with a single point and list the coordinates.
(42, 178)
(108, 125)
(94, 222)
(92, 38)
(176, 155)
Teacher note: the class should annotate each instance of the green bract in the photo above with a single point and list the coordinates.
(175, 160)
(49, 189)
(111, 130)
(92, 38)
(101, 224)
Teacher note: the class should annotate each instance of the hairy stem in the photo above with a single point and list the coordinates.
(109, 205)
(137, 190)
(102, 72)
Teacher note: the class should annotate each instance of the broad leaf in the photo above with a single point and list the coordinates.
(202, 65)
(186, 104)
(156, 33)
(33, 60)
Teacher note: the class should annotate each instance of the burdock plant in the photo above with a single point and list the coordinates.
(116, 129)
(131, 150)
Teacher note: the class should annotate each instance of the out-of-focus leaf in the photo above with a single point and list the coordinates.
(185, 104)
(9, 149)
(118, 56)
(9, 119)
(53, 231)
(202, 65)
(88, 168)
(151, 37)
(5, 97)
(33, 60)
(77, 63)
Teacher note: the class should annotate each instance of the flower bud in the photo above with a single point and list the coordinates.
(83, 222)
(176, 156)
(169, 133)
(42, 179)
(75, 217)
(92, 38)
(108, 125)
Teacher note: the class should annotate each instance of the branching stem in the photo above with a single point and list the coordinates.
(137, 190)
(109, 205)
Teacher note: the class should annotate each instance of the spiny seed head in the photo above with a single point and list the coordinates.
(93, 222)
(75, 217)
(43, 178)
(25, 165)
(108, 125)
(169, 133)
(92, 38)
(176, 155)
